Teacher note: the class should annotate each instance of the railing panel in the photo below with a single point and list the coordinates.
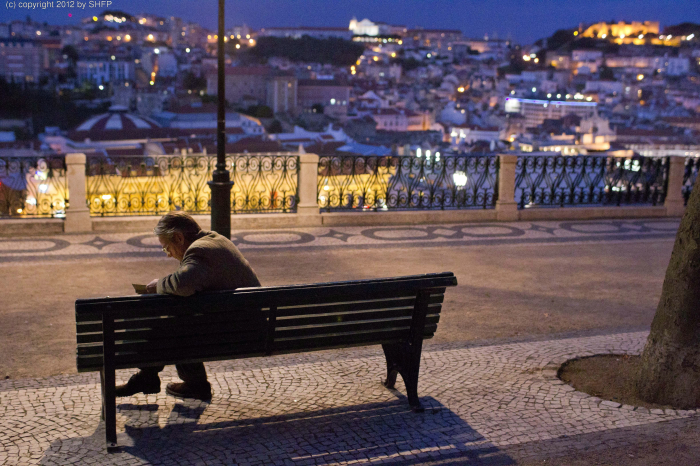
(151, 185)
(33, 187)
(374, 183)
(692, 165)
(264, 183)
(589, 180)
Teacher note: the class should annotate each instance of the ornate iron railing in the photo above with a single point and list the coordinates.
(358, 183)
(692, 165)
(33, 187)
(149, 185)
(589, 180)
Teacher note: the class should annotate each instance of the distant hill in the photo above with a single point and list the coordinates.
(335, 51)
(683, 29)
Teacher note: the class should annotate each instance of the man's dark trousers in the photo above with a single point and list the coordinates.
(192, 373)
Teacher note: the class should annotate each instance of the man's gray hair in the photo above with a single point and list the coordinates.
(181, 222)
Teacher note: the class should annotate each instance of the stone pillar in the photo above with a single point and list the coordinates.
(674, 196)
(308, 185)
(506, 207)
(77, 213)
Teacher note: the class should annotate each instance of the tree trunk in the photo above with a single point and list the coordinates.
(670, 366)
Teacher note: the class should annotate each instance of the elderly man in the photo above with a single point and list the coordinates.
(208, 262)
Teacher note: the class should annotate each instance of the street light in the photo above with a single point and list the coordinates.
(221, 183)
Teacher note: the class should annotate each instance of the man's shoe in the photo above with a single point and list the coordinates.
(138, 383)
(183, 390)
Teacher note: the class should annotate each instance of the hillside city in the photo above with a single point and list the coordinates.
(122, 84)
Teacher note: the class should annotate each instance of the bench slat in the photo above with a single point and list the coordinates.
(327, 341)
(201, 353)
(91, 310)
(186, 341)
(348, 316)
(241, 318)
(348, 327)
(348, 305)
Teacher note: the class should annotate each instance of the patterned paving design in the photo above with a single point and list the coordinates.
(132, 245)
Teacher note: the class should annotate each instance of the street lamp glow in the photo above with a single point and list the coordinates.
(460, 179)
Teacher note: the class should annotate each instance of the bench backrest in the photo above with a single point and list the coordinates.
(161, 329)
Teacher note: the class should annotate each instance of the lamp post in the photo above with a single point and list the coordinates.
(221, 183)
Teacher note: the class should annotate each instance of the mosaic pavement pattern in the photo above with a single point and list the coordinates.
(145, 245)
(485, 405)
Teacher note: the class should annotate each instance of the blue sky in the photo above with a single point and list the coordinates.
(522, 20)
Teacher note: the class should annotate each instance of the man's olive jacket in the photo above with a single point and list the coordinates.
(212, 262)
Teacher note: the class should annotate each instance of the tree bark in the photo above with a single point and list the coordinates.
(670, 365)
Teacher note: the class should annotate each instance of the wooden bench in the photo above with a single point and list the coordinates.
(153, 330)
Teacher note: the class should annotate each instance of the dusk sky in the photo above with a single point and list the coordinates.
(522, 20)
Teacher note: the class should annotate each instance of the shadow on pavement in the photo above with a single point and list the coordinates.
(387, 432)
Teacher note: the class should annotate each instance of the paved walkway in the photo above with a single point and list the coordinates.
(485, 405)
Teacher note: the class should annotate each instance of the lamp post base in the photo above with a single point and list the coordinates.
(221, 207)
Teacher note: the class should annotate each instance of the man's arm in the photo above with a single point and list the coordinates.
(189, 278)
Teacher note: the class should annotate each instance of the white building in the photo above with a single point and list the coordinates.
(469, 134)
(199, 117)
(159, 60)
(105, 71)
(299, 32)
(392, 119)
(536, 111)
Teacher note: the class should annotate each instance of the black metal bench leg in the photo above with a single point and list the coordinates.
(102, 392)
(109, 394)
(410, 378)
(109, 410)
(411, 368)
(392, 353)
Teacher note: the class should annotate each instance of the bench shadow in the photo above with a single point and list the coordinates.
(385, 432)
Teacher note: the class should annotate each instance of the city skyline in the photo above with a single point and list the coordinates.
(522, 21)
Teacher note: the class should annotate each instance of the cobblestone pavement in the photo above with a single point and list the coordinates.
(145, 245)
(494, 404)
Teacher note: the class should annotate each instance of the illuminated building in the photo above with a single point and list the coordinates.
(299, 32)
(621, 29)
(536, 111)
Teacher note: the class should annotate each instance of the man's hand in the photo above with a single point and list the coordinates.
(152, 287)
